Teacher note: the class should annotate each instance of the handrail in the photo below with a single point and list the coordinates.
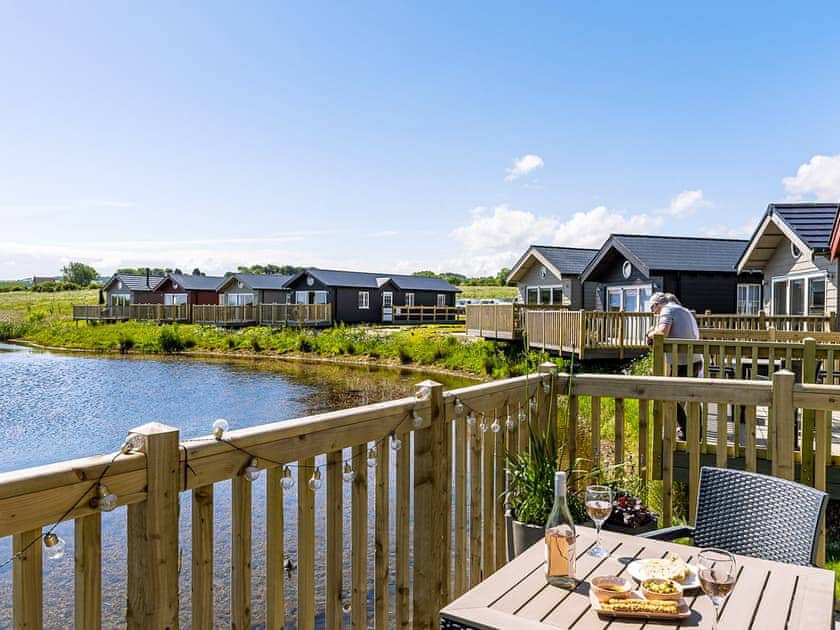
(466, 429)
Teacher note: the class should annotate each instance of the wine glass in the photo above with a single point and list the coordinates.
(598, 501)
(717, 574)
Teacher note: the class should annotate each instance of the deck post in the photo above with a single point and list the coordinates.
(658, 370)
(784, 415)
(431, 512)
(806, 445)
(153, 535)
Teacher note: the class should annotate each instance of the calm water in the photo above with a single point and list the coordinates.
(55, 407)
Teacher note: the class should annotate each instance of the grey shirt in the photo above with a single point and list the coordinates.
(683, 326)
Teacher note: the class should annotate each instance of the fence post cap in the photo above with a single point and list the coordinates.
(548, 366)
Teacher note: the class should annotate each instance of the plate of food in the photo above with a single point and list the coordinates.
(636, 606)
(671, 567)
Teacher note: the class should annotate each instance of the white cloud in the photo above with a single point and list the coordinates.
(819, 178)
(523, 166)
(686, 203)
(496, 239)
(744, 230)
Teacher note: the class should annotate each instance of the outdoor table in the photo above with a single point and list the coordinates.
(767, 595)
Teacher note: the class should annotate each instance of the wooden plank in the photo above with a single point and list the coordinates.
(619, 430)
(750, 428)
(693, 445)
(669, 419)
(487, 503)
(306, 546)
(644, 441)
(461, 499)
(784, 412)
(722, 436)
(335, 536)
(88, 572)
(381, 539)
(812, 603)
(202, 557)
(240, 553)
(153, 534)
(475, 475)
(275, 600)
(500, 551)
(571, 432)
(27, 581)
(823, 422)
(596, 431)
(402, 544)
(656, 445)
(358, 537)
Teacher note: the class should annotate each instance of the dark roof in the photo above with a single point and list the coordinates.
(196, 283)
(672, 253)
(366, 280)
(134, 282)
(570, 260)
(812, 222)
(260, 282)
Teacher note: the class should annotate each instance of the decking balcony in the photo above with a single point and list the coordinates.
(448, 479)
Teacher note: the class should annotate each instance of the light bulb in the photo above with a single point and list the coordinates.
(54, 546)
(287, 481)
(345, 605)
(371, 458)
(546, 384)
(105, 500)
(396, 443)
(533, 404)
(134, 442)
(315, 482)
(423, 392)
(482, 425)
(219, 427)
(495, 427)
(459, 407)
(251, 472)
(522, 415)
(348, 475)
(509, 423)
(416, 418)
(470, 419)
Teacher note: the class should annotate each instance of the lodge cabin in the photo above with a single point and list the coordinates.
(701, 272)
(243, 289)
(362, 297)
(177, 289)
(124, 289)
(550, 276)
(792, 247)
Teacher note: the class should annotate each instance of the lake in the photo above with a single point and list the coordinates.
(55, 407)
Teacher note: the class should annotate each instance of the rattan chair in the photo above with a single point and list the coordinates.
(754, 515)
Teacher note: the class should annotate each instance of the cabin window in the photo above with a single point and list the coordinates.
(613, 299)
(749, 299)
(239, 299)
(441, 299)
(364, 299)
(387, 299)
(797, 296)
(174, 298)
(630, 299)
(816, 296)
(548, 295)
(119, 300)
(318, 297)
(409, 299)
(804, 295)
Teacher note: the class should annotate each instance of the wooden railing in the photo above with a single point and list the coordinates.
(161, 312)
(495, 321)
(224, 315)
(761, 321)
(451, 465)
(96, 313)
(425, 314)
(295, 314)
(579, 332)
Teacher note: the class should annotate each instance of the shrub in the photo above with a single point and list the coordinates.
(126, 343)
(255, 344)
(170, 341)
(12, 330)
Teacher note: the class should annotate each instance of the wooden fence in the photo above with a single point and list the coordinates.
(592, 333)
(495, 321)
(451, 465)
(762, 321)
(224, 315)
(425, 314)
(103, 313)
(161, 312)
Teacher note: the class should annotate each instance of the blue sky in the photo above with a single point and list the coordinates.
(386, 137)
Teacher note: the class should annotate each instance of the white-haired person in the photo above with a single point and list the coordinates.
(677, 322)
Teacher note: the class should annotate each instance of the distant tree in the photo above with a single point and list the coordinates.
(285, 270)
(197, 272)
(141, 271)
(79, 273)
(501, 277)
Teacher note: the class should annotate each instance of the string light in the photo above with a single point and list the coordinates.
(470, 419)
(509, 423)
(348, 475)
(483, 424)
(522, 415)
(251, 472)
(495, 427)
(371, 457)
(396, 443)
(315, 482)
(54, 546)
(533, 404)
(287, 481)
(416, 418)
(423, 392)
(459, 407)
(105, 501)
(546, 385)
(134, 442)
(219, 427)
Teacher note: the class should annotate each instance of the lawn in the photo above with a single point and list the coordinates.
(19, 306)
(477, 293)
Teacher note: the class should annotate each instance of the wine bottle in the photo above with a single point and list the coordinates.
(560, 539)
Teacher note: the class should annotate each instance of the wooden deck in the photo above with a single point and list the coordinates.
(457, 533)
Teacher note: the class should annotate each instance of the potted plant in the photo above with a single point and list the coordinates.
(630, 515)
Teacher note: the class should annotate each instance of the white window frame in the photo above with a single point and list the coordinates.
(623, 289)
(119, 299)
(807, 277)
(441, 299)
(364, 300)
(409, 299)
(387, 299)
(240, 299)
(559, 294)
(174, 299)
(747, 306)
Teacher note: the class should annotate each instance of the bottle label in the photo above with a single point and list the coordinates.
(560, 552)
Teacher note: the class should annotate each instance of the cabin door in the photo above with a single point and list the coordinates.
(387, 306)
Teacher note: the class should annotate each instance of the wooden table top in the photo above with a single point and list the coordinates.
(767, 595)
